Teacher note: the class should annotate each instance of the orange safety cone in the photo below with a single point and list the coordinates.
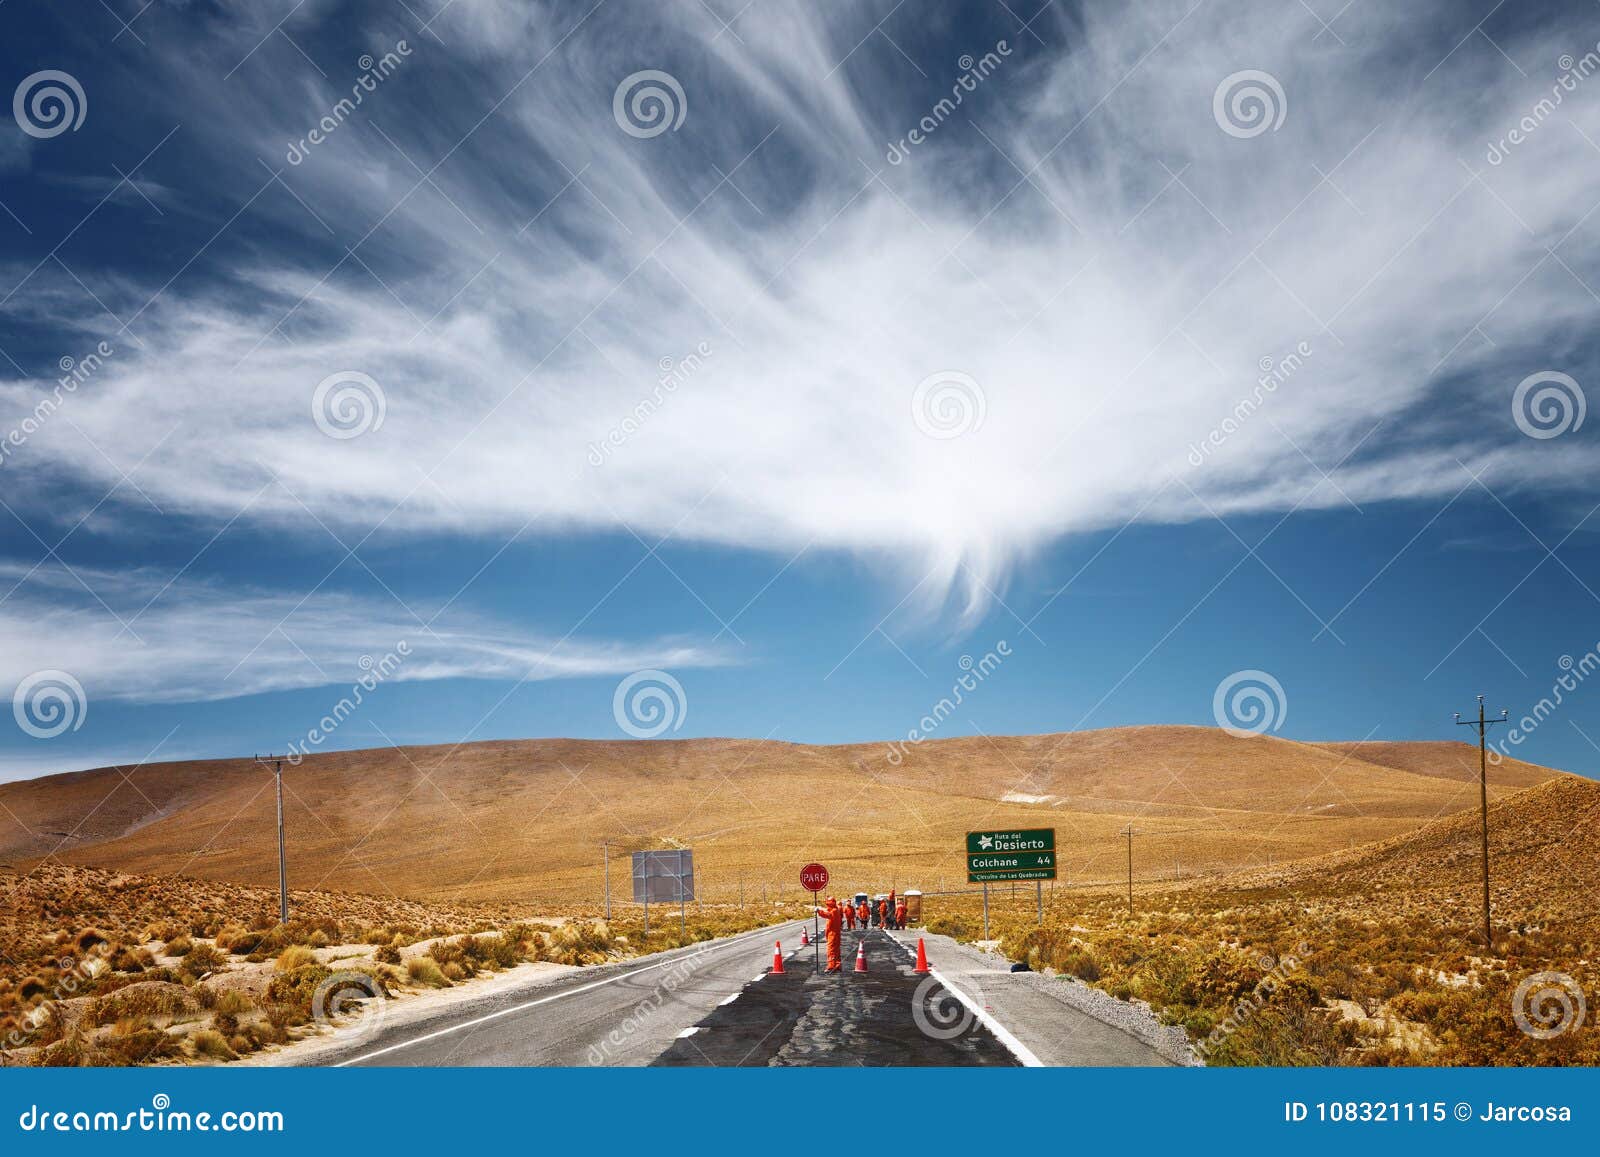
(777, 957)
(922, 957)
(861, 956)
(805, 938)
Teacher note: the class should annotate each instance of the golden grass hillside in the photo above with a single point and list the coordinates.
(524, 820)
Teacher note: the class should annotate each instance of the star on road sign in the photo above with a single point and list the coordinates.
(986, 842)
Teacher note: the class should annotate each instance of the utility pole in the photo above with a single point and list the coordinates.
(283, 872)
(605, 850)
(1483, 724)
(1128, 831)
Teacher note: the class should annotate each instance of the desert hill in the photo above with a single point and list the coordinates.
(1544, 858)
(523, 820)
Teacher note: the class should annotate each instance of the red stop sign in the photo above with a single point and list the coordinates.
(813, 877)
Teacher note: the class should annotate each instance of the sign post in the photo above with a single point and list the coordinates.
(663, 875)
(814, 878)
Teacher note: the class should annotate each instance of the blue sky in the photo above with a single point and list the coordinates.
(722, 342)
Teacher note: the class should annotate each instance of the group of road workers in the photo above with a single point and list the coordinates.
(887, 913)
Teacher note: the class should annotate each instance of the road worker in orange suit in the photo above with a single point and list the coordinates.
(891, 923)
(900, 914)
(883, 913)
(850, 917)
(863, 914)
(832, 918)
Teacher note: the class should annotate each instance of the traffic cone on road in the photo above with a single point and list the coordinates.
(805, 938)
(861, 956)
(922, 957)
(777, 957)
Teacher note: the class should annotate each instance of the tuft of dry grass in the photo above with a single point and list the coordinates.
(425, 970)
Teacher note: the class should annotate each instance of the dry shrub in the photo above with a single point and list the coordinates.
(201, 959)
(144, 1002)
(426, 970)
(210, 1043)
(297, 956)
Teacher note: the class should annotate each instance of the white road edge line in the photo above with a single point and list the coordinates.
(690, 1031)
(1004, 1035)
(496, 1015)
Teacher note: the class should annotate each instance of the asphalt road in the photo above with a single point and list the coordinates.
(710, 1004)
(884, 1016)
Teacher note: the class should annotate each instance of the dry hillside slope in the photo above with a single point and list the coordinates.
(523, 820)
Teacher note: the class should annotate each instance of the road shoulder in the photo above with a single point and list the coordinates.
(1061, 1021)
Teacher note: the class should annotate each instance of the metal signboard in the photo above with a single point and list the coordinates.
(663, 877)
(1027, 854)
(813, 877)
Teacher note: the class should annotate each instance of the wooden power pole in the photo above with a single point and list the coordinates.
(283, 873)
(1128, 831)
(1483, 724)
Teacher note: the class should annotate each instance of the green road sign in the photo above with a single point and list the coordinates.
(1003, 877)
(1028, 854)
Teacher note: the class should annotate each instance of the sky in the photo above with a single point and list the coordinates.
(393, 373)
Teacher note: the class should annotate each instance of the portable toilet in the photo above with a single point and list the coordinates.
(913, 906)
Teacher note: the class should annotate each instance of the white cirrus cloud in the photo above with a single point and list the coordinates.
(138, 637)
(1114, 304)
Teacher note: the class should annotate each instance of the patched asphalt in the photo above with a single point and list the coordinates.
(885, 1016)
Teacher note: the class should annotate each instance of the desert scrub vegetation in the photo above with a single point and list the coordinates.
(104, 968)
(1258, 976)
